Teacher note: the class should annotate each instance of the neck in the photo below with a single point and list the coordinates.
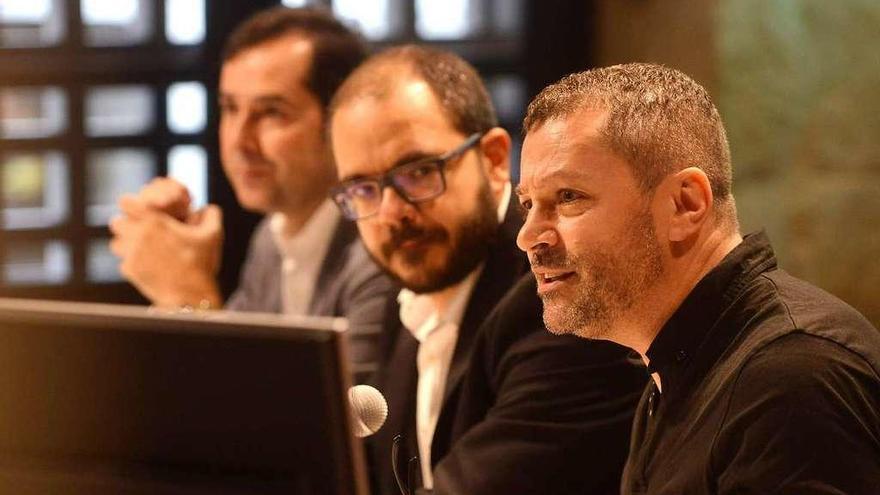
(295, 218)
(443, 298)
(639, 328)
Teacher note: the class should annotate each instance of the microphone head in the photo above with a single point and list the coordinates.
(368, 409)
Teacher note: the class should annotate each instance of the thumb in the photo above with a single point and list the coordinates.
(208, 220)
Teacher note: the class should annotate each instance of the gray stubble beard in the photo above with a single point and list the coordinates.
(614, 285)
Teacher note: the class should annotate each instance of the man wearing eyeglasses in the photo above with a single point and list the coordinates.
(477, 403)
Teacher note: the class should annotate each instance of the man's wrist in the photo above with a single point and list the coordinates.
(203, 305)
(202, 296)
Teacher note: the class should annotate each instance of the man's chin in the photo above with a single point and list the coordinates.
(557, 326)
(563, 317)
(423, 277)
(555, 318)
(254, 202)
(420, 281)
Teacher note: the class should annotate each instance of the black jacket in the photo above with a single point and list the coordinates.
(524, 411)
(398, 379)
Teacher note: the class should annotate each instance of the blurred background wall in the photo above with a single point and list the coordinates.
(98, 96)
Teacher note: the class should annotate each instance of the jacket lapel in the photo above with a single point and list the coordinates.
(504, 266)
(324, 295)
(398, 381)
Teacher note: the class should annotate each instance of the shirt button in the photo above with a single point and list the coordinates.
(681, 356)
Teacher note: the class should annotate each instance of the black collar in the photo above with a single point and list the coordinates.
(692, 339)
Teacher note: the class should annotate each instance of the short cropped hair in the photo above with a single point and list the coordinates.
(336, 50)
(658, 119)
(454, 82)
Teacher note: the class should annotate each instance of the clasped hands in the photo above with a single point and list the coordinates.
(169, 252)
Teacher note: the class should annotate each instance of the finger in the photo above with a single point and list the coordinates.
(168, 196)
(132, 206)
(122, 229)
(118, 225)
(198, 217)
(164, 191)
(211, 216)
(119, 247)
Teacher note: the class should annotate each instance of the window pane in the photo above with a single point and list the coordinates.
(185, 21)
(507, 16)
(187, 107)
(509, 97)
(31, 23)
(111, 173)
(35, 190)
(32, 112)
(451, 19)
(188, 164)
(515, 155)
(295, 3)
(119, 110)
(116, 22)
(36, 262)
(376, 19)
(101, 264)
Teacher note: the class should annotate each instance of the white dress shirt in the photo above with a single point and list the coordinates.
(434, 320)
(302, 255)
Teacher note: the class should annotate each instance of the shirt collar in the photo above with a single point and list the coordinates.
(312, 240)
(421, 314)
(691, 331)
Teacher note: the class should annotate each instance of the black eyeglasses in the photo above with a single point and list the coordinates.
(415, 182)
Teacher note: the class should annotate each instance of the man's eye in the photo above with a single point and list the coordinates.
(567, 196)
(362, 191)
(272, 112)
(227, 108)
(419, 171)
(525, 204)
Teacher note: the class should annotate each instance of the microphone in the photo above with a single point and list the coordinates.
(368, 409)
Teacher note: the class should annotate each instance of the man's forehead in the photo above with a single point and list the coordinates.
(560, 149)
(369, 109)
(279, 65)
(278, 51)
(398, 103)
(404, 121)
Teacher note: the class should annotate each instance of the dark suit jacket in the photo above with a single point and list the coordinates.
(349, 285)
(399, 379)
(524, 411)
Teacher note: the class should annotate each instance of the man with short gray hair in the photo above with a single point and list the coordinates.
(761, 382)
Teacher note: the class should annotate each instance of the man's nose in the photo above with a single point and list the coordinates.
(537, 232)
(245, 136)
(393, 207)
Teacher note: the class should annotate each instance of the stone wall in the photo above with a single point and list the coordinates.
(798, 86)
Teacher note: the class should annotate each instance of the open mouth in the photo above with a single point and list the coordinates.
(551, 281)
(553, 278)
(412, 242)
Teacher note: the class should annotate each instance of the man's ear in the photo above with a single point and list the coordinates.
(691, 199)
(495, 146)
